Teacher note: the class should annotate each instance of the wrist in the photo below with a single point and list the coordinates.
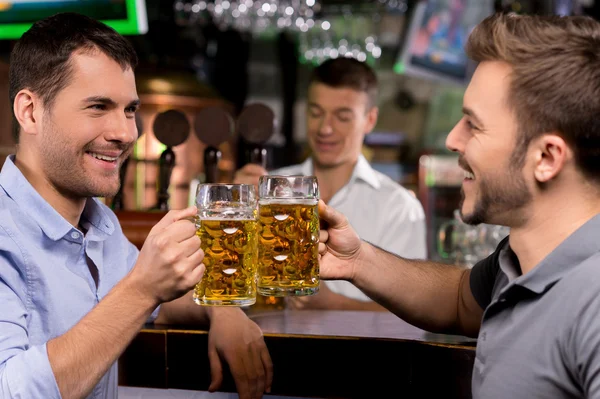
(365, 256)
(136, 291)
(214, 313)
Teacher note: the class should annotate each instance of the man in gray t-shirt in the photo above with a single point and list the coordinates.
(529, 143)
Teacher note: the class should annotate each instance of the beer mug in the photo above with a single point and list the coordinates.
(288, 236)
(226, 225)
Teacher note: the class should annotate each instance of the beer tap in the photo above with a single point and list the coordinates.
(117, 203)
(213, 127)
(170, 128)
(256, 125)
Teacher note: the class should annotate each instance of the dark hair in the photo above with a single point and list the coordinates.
(348, 73)
(40, 60)
(555, 78)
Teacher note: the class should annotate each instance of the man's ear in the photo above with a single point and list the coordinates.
(551, 154)
(372, 116)
(28, 110)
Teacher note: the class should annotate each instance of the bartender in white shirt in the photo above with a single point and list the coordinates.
(341, 111)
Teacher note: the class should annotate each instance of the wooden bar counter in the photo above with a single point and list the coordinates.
(333, 354)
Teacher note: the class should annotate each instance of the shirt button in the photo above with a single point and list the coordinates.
(75, 235)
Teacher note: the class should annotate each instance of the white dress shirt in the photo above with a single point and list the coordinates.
(380, 210)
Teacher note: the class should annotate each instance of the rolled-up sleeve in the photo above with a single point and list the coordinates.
(25, 370)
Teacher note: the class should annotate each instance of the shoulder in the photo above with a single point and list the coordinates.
(13, 267)
(15, 224)
(397, 199)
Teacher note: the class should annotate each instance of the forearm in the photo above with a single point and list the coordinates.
(81, 356)
(423, 293)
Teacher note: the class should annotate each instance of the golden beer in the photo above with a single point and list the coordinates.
(288, 238)
(229, 247)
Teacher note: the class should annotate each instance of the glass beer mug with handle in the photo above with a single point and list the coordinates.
(288, 236)
(226, 225)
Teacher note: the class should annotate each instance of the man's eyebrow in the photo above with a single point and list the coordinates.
(337, 110)
(100, 99)
(471, 114)
(135, 103)
(110, 102)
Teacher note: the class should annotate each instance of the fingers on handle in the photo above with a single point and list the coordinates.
(174, 216)
(331, 217)
(196, 276)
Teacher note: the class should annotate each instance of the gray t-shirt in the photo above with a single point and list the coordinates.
(540, 333)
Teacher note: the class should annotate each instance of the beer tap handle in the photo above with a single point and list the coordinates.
(258, 155)
(170, 128)
(213, 126)
(212, 156)
(166, 163)
(256, 125)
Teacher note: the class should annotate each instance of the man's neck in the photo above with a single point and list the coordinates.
(70, 209)
(553, 220)
(332, 179)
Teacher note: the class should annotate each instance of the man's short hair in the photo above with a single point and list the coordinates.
(41, 59)
(347, 73)
(555, 79)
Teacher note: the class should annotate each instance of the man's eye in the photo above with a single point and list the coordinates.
(471, 125)
(131, 110)
(98, 107)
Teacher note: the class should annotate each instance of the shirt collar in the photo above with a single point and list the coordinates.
(50, 221)
(362, 170)
(573, 251)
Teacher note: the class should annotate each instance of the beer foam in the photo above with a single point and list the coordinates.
(226, 218)
(230, 213)
(288, 201)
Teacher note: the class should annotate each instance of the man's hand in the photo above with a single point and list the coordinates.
(237, 340)
(249, 174)
(339, 245)
(170, 262)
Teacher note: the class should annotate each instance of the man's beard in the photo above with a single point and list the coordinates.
(497, 195)
(61, 166)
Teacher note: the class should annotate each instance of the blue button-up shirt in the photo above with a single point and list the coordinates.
(46, 286)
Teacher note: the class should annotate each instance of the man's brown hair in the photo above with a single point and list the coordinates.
(346, 72)
(555, 79)
(41, 59)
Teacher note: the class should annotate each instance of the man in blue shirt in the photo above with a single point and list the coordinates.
(73, 290)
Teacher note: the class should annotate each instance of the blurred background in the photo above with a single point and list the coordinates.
(196, 54)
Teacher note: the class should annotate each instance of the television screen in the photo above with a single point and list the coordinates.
(128, 17)
(435, 40)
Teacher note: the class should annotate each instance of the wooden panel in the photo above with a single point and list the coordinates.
(332, 354)
(144, 363)
(137, 224)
